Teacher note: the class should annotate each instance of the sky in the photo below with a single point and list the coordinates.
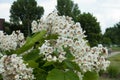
(107, 12)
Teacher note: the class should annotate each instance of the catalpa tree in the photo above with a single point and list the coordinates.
(57, 50)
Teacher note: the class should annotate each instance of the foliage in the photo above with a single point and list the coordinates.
(24, 12)
(56, 50)
(90, 76)
(62, 75)
(112, 34)
(106, 41)
(30, 42)
(91, 26)
(9, 28)
(68, 8)
(113, 71)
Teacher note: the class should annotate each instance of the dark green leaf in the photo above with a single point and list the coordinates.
(48, 64)
(40, 74)
(70, 75)
(90, 76)
(56, 74)
(32, 64)
(71, 65)
(1, 77)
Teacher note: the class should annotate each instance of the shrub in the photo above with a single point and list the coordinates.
(113, 71)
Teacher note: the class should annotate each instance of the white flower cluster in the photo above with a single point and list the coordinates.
(11, 42)
(71, 36)
(49, 52)
(94, 59)
(13, 68)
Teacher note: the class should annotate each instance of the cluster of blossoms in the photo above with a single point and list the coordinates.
(71, 36)
(13, 68)
(11, 42)
(94, 59)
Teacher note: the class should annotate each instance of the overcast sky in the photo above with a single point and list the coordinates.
(107, 12)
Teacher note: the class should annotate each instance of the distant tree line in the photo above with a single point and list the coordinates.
(112, 35)
(23, 12)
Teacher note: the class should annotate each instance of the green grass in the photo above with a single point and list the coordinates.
(115, 48)
(115, 60)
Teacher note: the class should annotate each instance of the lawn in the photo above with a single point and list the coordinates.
(115, 60)
(115, 48)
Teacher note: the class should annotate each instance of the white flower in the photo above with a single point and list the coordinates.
(54, 58)
(61, 58)
(49, 58)
(11, 42)
(13, 68)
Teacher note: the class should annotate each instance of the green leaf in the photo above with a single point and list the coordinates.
(91, 76)
(40, 74)
(68, 55)
(1, 77)
(71, 65)
(31, 42)
(52, 36)
(48, 64)
(32, 64)
(70, 75)
(8, 52)
(33, 55)
(56, 74)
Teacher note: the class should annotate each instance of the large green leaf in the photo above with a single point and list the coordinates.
(71, 65)
(52, 36)
(33, 55)
(32, 64)
(31, 42)
(90, 76)
(57, 74)
(70, 75)
(40, 74)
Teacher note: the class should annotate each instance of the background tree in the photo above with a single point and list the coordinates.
(113, 33)
(9, 28)
(24, 12)
(91, 26)
(68, 8)
(106, 41)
